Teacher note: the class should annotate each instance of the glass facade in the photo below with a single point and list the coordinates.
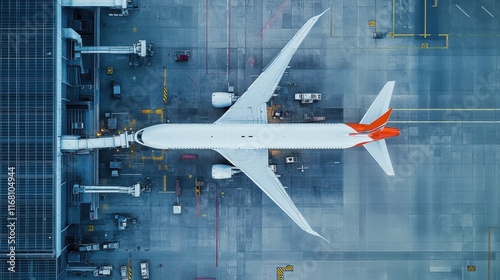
(27, 140)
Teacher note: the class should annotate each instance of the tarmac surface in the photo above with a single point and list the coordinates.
(434, 220)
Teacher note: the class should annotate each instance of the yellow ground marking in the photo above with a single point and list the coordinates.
(165, 90)
(393, 34)
(471, 268)
(279, 271)
(159, 111)
(129, 274)
(275, 152)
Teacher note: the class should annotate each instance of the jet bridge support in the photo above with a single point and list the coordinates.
(73, 143)
(134, 190)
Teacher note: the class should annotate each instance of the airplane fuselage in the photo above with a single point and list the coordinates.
(250, 136)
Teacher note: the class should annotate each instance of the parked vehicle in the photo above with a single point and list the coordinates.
(89, 247)
(189, 156)
(103, 271)
(117, 89)
(307, 97)
(112, 245)
(116, 164)
(123, 272)
(145, 270)
(378, 35)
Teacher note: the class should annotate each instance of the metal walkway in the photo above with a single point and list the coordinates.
(70, 143)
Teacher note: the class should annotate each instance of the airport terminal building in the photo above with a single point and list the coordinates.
(32, 202)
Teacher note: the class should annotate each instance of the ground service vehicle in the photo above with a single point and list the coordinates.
(89, 247)
(307, 97)
(110, 245)
(123, 272)
(117, 90)
(145, 270)
(103, 271)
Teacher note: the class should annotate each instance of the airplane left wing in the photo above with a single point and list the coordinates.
(255, 164)
(250, 107)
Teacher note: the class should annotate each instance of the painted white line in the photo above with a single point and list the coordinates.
(487, 11)
(462, 10)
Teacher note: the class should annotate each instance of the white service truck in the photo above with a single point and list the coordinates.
(145, 270)
(308, 97)
(123, 272)
(103, 271)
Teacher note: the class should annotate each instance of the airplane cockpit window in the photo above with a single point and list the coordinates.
(138, 137)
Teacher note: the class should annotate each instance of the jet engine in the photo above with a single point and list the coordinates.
(223, 99)
(223, 171)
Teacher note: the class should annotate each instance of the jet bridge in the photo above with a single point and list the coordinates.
(134, 190)
(73, 143)
(112, 4)
(141, 49)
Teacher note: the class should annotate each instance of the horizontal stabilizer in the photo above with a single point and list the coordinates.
(378, 150)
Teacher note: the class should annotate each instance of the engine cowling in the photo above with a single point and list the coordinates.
(222, 171)
(222, 99)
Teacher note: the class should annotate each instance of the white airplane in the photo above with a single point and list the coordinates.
(244, 136)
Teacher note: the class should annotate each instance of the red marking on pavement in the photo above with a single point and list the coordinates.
(216, 226)
(271, 20)
(196, 85)
(251, 61)
(206, 37)
(228, 40)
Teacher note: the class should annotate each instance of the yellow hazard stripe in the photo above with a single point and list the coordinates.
(279, 271)
(165, 91)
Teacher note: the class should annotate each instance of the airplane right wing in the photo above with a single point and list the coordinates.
(249, 107)
(255, 164)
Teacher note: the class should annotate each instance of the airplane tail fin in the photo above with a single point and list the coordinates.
(374, 123)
